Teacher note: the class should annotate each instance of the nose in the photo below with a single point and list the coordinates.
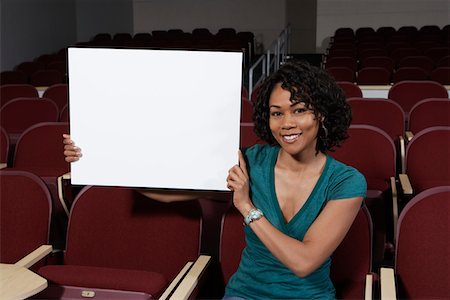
(288, 122)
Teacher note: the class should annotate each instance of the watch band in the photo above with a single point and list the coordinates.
(253, 214)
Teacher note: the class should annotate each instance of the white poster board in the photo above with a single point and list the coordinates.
(154, 118)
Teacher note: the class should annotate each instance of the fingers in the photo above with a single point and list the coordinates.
(72, 153)
(236, 179)
(242, 163)
(67, 140)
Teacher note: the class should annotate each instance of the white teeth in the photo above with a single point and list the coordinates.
(290, 137)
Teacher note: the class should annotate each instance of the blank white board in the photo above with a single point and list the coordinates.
(154, 118)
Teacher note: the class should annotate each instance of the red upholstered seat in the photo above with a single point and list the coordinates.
(352, 260)
(422, 257)
(105, 278)
(21, 113)
(9, 92)
(24, 215)
(373, 76)
(427, 158)
(248, 136)
(350, 89)
(341, 73)
(372, 152)
(381, 113)
(407, 93)
(428, 113)
(58, 93)
(129, 242)
(4, 146)
(39, 150)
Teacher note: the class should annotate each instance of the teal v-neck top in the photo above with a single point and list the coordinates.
(262, 276)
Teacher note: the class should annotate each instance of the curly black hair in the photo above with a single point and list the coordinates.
(320, 93)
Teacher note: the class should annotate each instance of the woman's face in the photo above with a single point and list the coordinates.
(293, 125)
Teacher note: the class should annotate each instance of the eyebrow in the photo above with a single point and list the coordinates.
(293, 104)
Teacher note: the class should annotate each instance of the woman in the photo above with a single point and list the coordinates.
(298, 202)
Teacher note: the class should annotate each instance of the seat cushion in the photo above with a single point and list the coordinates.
(105, 278)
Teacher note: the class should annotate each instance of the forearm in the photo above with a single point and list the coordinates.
(292, 253)
(322, 238)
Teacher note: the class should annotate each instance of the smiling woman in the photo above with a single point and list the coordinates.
(297, 201)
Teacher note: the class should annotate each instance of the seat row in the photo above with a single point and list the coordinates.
(382, 70)
(121, 249)
(386, 34)
(48, 69)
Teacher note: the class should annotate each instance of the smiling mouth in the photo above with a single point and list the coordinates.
(290, 138)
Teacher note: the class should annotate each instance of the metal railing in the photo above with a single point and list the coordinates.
(269, 62)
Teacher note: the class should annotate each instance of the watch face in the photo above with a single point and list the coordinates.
(254, 214)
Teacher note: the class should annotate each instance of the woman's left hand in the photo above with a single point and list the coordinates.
(238, 183)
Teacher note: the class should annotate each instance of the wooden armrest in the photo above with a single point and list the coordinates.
(189, 281)
(176, 281)
(409, 135)
(368, 291)
(405, 184)
(34, 256)
(66, 176)
(387, 284)
(402, 149)
(3, 165)
(394, 205)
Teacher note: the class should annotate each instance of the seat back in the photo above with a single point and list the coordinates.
(29, 67)
(246, 110)
(407, 93)
(58, 93)
(427, 158)
(428, 113)
(4, 146)
(11, 91)
(21, 113)
(120, 228)
(40, 149)
(46, 77)
(420, 61)
(441, 75)
(341, 73)
(409, 73)
(373, 76)
(64, 114)
(24, 216)
(343, 61)
(350, 89)
(13, 77)
(371, 151)
(422, 257)
(381, 113)
(232, 242)
(248, 136)
(352, 259)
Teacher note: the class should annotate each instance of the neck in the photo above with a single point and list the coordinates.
(300, 162)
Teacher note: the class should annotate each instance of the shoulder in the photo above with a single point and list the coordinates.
(345, 181)
(259, 153)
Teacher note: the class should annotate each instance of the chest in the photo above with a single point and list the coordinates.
(293, 190)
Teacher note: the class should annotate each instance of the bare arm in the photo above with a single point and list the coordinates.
(321, 239)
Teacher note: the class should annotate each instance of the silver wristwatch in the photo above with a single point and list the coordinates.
(254, 214)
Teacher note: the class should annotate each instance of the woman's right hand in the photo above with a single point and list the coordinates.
(71, 152)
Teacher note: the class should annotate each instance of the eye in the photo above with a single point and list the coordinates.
(299, 110)
(275, 114)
